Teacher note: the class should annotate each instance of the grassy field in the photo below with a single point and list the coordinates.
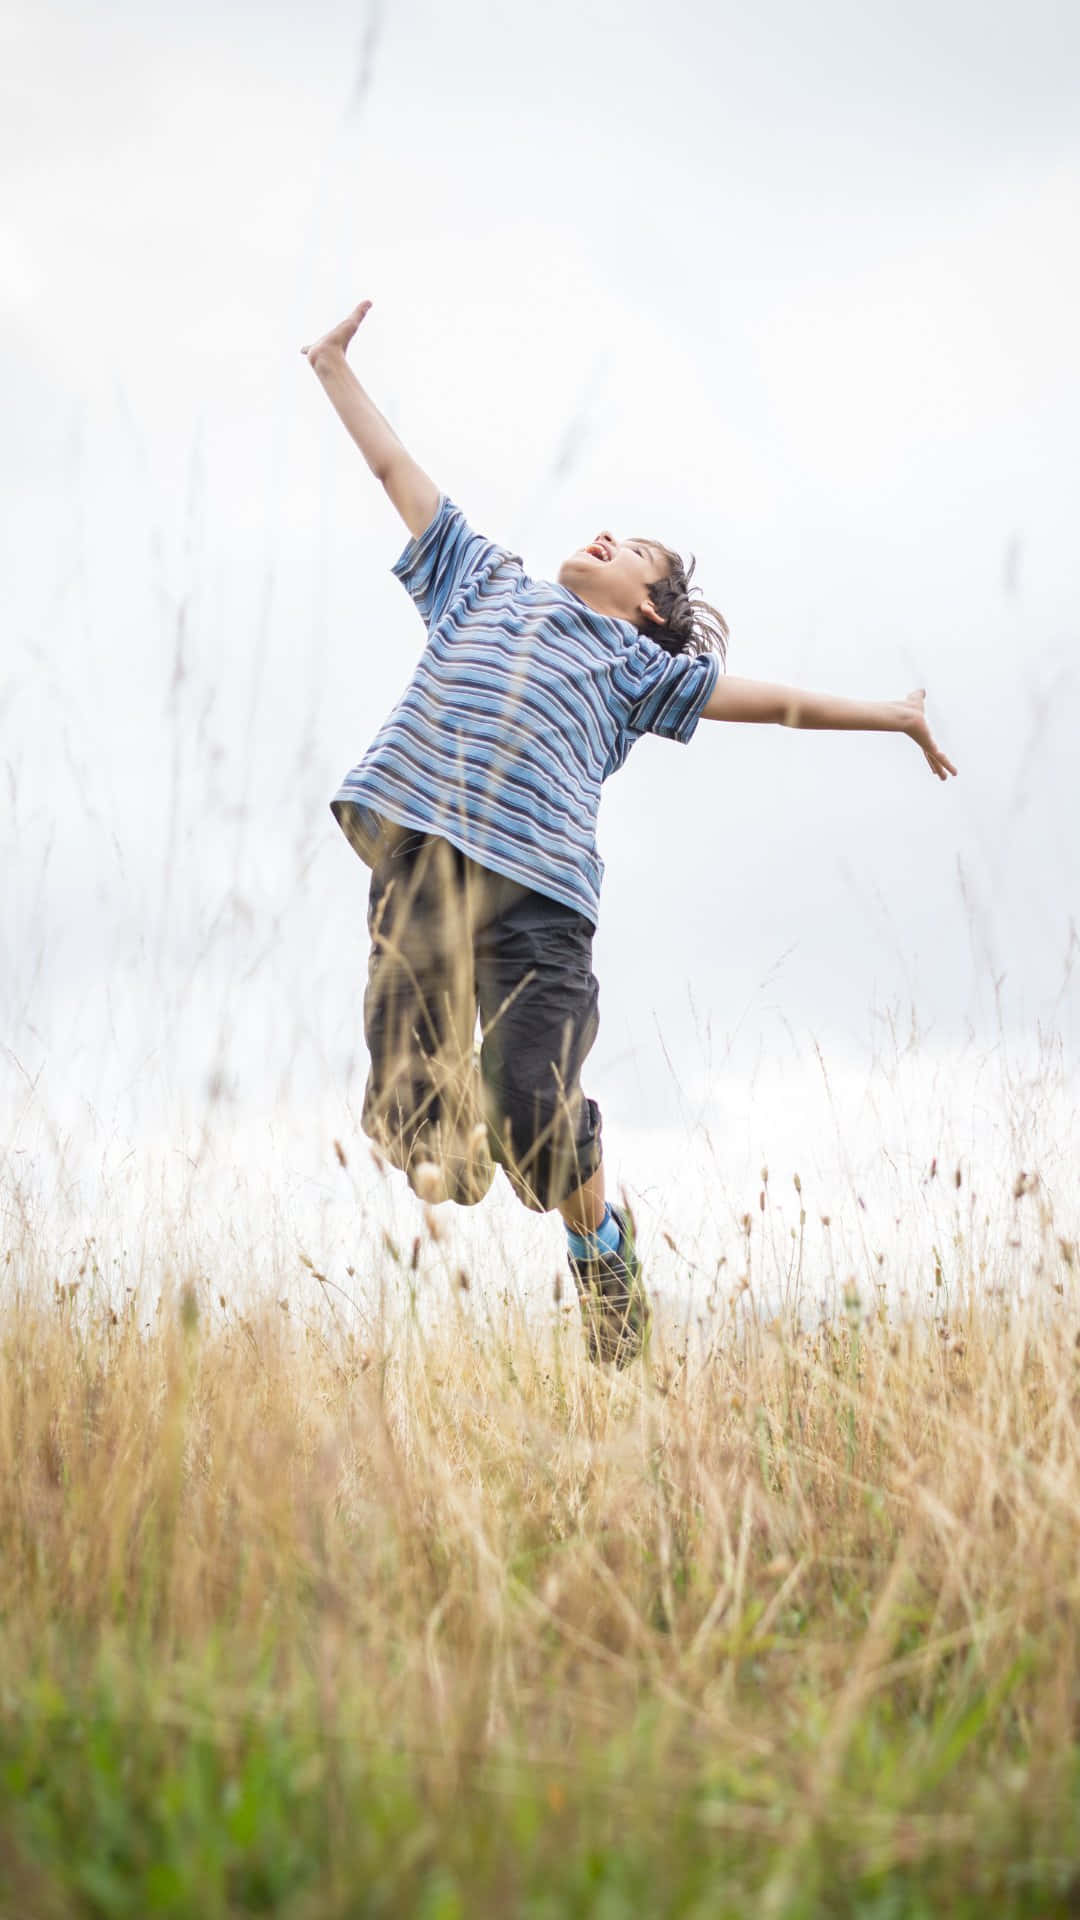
(311, 1616)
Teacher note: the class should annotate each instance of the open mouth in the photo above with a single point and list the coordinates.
(598, 551)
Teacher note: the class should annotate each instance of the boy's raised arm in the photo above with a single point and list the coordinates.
(762, 701)
(415, 496)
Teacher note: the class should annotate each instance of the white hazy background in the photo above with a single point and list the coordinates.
(794, 289)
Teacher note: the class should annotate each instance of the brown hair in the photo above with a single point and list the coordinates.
(690, 625)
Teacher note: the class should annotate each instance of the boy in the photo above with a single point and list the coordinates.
(475, 808)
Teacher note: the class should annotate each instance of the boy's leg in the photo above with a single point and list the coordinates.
(421, 1103)
(539, 1017)
(538, 1008)
(584, 1209)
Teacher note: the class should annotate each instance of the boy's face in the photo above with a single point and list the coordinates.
(613, 576)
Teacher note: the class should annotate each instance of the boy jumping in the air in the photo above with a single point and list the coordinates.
(475, 807)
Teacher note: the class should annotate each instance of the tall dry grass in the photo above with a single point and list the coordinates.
(427, 1616)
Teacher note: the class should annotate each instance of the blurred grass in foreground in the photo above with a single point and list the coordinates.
(441, 1622)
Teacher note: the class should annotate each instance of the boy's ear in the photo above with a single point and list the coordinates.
(650, 612)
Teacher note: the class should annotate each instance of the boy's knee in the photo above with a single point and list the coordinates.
(440, 1162)
(546, 1146)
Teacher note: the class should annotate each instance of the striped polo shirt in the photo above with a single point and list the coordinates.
(523, 702)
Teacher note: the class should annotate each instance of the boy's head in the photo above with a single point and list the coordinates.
(644, 582)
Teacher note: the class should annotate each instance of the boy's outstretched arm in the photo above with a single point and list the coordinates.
(760, 700)
(415, 496)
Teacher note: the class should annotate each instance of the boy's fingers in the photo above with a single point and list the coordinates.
(347, 326)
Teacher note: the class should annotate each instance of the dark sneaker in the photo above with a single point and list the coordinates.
(614, 1305)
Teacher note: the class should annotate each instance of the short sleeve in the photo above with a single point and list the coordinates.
(440, 563)
(665, 693)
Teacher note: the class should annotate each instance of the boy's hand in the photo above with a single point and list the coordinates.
(915, 725)
(415, 496)
(338, 337)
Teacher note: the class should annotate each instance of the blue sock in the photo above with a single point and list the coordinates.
(605, 1239)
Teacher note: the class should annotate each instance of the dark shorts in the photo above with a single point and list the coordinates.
(451, 940)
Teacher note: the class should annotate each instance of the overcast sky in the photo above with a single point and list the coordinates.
(794, 288)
